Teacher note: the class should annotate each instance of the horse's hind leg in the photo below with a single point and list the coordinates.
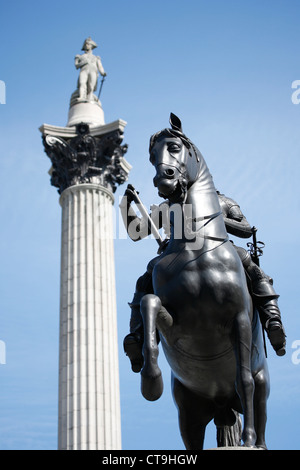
(261, 394)
(151, 379)
(244, 381)
(194, 414)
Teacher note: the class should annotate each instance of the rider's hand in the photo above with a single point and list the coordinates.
(130, 193)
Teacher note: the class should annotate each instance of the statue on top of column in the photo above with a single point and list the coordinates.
(89, 65)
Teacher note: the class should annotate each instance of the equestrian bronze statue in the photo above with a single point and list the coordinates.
(204, 299)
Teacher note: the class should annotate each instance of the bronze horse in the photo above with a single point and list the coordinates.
(210, 333)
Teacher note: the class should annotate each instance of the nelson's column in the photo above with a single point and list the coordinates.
(88, 163)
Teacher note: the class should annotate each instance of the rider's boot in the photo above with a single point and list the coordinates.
(133, 342)
(266, 301)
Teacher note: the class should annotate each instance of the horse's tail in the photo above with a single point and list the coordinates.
(230, 436)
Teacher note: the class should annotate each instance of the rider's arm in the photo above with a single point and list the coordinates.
(236, 223)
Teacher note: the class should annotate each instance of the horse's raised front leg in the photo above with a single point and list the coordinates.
(244, 381)
(151, 379)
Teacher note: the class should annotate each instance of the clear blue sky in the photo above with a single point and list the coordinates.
(226, 69)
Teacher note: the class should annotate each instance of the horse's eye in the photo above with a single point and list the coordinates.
(172, 147)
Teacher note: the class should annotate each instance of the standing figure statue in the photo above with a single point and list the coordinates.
(89, 65)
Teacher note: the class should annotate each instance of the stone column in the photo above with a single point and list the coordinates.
(86, 168)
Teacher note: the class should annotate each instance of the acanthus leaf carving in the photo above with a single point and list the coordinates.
(86, 159)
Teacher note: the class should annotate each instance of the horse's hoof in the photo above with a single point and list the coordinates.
(261, 447)
(151, 387)
(249, 439)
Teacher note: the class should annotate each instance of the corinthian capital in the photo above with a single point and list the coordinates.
(85, 156)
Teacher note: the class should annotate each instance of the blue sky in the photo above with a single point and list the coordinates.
(226, 69)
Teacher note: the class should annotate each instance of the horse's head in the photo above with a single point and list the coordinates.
(176, 161)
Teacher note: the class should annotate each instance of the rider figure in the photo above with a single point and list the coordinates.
(261, 286)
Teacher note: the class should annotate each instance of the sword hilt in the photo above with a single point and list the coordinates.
(255, 250)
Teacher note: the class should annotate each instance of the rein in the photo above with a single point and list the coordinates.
(210, 219)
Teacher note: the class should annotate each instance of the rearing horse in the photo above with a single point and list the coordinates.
(201, 306)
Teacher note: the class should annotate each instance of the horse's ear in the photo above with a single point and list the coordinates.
(175, 122)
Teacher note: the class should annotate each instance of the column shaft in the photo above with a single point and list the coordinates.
(89, 401)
